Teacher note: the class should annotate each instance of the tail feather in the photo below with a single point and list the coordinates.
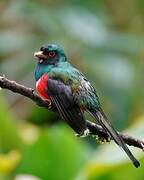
(106, 125)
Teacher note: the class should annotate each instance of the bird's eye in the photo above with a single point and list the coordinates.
(42, 48)
(51, 54)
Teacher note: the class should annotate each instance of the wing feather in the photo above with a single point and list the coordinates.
(62, 97)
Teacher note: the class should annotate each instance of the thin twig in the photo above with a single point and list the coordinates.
(94, 128)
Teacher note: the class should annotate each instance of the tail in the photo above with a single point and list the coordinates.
(103, 121)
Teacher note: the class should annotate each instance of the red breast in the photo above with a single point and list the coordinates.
(41, 86)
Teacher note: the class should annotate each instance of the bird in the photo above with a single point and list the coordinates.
(72, 94)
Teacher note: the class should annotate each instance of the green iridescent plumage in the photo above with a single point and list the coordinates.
(83, 91)
(72, 94)
(84, 94)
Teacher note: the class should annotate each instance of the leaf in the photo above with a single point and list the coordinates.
(9, 137)
(108, 162)
(56, 155)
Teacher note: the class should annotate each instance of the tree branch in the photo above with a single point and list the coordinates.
(94, 128)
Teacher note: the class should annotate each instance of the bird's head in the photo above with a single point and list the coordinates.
(50, 54)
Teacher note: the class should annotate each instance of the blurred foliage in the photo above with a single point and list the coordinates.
(104, 39)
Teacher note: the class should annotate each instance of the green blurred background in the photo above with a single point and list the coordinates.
(105, 40)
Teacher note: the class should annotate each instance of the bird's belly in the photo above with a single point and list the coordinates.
(41, 86)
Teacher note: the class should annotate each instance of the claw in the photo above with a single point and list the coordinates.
(49, 104)
(47, 101)
(85, 134)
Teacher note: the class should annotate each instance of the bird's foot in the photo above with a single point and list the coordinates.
(84, 134)
(47, 101)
